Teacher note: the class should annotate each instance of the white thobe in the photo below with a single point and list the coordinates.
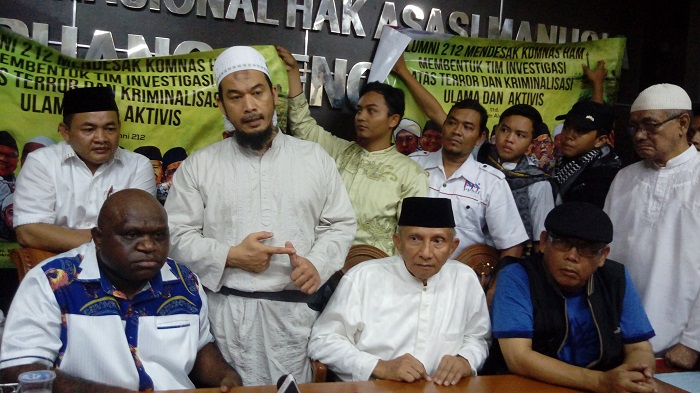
(656, 219)
(56, 187)
(380, 311)
(223, 193)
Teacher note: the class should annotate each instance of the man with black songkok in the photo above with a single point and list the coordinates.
(416, 315)
(61, 188)
(569, 316)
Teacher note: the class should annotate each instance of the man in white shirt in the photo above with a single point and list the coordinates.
(655, 210)
(264, 219)
(116, 315)
(481, 198)
(61, 188)
(417, 315)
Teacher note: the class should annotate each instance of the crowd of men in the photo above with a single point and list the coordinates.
(596, 276)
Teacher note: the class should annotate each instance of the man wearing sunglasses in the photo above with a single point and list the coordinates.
(655, 208)
(569, 316)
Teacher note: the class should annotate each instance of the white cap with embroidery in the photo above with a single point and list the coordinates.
(239, 58)
(663, 96)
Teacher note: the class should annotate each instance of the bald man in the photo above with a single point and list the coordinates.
(116, 314)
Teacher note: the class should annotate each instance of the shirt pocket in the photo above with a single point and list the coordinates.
(178, 333)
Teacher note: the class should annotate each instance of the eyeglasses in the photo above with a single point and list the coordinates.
(650, 128)
(584, 248)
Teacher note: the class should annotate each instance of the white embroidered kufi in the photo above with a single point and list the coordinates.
(663, 96)
(408, 125)
(239, 58)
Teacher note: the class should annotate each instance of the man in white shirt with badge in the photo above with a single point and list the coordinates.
(481, 198)
(416, 315)
(264, 219)
(61, 188)
(655, 210)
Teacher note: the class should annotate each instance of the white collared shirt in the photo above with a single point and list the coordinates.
(655, 213)
(482, 201)
(381, 311)
(56, 187)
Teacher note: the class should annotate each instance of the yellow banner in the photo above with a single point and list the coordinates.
(166, 102)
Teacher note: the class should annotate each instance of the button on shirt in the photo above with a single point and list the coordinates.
(66, 314)
(56, 187)
(380, 311)
(482, 201)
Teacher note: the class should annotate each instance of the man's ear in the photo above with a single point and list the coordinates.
(543, 240)
(96, 237)
(396, 240)
(394, 121)
(455, 244)
(64, 130)
(603, 255)
(601, 140)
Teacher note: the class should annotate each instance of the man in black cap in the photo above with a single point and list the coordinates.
(569, 316)
(153, 155)
(416, 315)
(61, 188)
(588, 163)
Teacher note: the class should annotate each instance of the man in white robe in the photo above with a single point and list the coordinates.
(264, 219)
(417, 315)
(655, 210)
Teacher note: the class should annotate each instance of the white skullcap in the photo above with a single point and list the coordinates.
(42, 140)
(661, 97)
(408, 125)
(239, 58)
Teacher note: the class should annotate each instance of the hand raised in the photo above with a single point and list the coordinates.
(252, 255)
(598, 74)
(304, 273)
(289, 61)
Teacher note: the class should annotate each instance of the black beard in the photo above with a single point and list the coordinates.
(256, 140)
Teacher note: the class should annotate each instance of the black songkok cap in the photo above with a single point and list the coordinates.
(427, 212)
(174, 155)
(150, 152)
(89, 99)
(7, 140)
(579, 220)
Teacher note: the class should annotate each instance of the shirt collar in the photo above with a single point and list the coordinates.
(90, 270)
(435, 161)
(682, 158)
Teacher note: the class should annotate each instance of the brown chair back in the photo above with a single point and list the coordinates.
(27, 258)
(360, 253)
(482, 258)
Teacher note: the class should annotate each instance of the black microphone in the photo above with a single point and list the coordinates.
(287, 384)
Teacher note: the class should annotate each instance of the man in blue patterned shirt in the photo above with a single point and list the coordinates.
(116, 314)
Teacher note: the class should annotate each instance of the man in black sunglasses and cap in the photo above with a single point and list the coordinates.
(569, 316)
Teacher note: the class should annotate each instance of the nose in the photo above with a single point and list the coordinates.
(425, 249)
(146, 244)
(248, 103)
(572, 255)
(101, 134)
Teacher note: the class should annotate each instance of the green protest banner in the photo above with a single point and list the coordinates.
(501, 73)
(166, 102)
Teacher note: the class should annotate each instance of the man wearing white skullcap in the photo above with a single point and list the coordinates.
(375, 174)
(654, 209)
(406, 136)
(264, 219)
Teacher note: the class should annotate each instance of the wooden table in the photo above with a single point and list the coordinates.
(482, 384)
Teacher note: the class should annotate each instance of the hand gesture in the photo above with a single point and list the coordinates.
(598, 74)
(304, 273)
(252, 255)
(681, 356)
(400, 68)
(451, 369)
(290, 62)
(636, 378)
(404, 368)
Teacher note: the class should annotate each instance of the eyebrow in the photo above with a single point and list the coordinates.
(259, 85)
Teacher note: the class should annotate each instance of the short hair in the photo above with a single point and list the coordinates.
(526, 111)
(432, 125)
(475, 106)
(393, 97)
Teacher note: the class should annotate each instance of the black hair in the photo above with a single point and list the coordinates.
(475, 106)
(526, 111)
(393, 97)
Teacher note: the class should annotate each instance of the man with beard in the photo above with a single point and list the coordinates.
(654, 207)
(263, 219)
(481, 199)
(375, 174)
(62, 187)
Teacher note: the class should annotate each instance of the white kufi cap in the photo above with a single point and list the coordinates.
(408, 125)
(663, 96)
(239, 58)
